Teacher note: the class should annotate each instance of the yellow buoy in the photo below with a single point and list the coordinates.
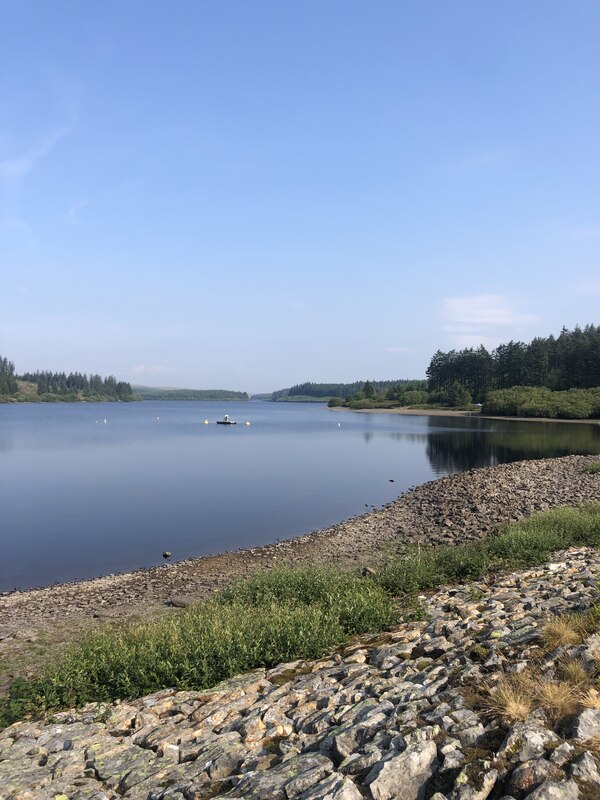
(206, 422)
(247, 423)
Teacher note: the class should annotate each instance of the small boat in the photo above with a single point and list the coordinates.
(226, 421)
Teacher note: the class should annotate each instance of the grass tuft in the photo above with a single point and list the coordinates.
(574, 672)
(510, 701)
(591, 698)
(560, 633)
(557, 698)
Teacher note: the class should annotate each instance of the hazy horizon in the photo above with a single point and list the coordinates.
(248, 196)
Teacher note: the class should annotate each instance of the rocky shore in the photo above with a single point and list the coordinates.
(455, 508)
(398, 716)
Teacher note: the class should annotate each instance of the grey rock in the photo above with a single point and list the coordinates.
(526, 741)
(587, 725)
(476, 791)
(586, 769)
(528, 776)
(335, 787)
(551, 790)
(562, 754)
(404, 776)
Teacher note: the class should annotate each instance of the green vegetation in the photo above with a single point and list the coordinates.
(551, 378)
(271, 618)
(592, 469)
(524, 544)
(532, 401)
(279, 616)
(8, 382)
(571, 361)
(161, 393)
(53, 387)
(344, 391)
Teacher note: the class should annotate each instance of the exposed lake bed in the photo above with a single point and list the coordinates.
(455, 508)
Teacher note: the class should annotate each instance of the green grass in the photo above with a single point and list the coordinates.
(279, 616)
(524, 544)
(592, 468)
(271, 618)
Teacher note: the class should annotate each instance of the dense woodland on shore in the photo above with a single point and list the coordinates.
(49, 386)
(553, 377)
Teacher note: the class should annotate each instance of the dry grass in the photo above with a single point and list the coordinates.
(510, 700)
(590, 699)
(573, 671)
(557, 698)
(516, 696)
(561, 632)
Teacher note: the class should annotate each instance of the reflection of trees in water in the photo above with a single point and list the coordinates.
(450, 451)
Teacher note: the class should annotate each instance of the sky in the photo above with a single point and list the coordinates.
(225, 194)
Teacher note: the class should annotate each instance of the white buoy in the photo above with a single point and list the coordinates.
(339, 424)
(105, 422)
(247, 423)
(158, 418)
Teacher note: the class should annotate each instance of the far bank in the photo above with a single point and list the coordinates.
(449, 412)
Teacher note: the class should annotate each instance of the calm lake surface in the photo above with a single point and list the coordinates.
(82, 497)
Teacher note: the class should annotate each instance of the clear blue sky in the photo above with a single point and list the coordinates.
(250, 194)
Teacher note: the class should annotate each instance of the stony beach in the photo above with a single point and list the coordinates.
(396, 716)
(455, 508)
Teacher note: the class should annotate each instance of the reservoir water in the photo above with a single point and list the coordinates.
(92, 489)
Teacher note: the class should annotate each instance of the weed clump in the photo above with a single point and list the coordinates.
(272, 618)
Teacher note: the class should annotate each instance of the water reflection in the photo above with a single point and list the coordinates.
(496, 442)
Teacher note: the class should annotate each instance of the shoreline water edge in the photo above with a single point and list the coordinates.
(449, 412)
(456, 508)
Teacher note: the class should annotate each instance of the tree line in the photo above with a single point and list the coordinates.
(345, 390)
(79, 384)
(569, 361)
(59, 385)
(8, 382)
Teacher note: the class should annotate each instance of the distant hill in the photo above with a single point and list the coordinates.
(166, 393)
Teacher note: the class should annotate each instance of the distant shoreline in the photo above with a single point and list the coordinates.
(448, 412)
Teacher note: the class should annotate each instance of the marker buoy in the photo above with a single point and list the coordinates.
(206, 422)
(247, 423)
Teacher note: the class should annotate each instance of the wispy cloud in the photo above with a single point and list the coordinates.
(16, 167)
(74, 210)
(480, 160)
(482, 319)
